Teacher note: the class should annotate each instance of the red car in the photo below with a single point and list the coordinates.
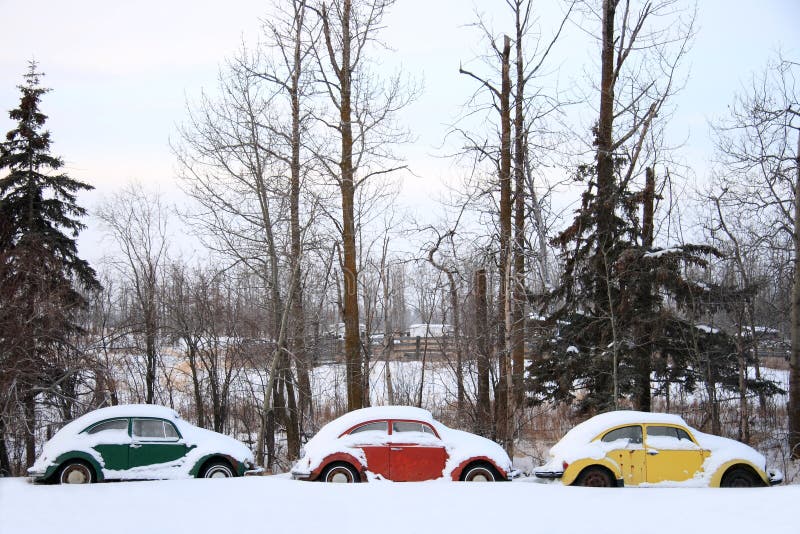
(402, 444)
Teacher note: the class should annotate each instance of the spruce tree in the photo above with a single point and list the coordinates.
(42, 279)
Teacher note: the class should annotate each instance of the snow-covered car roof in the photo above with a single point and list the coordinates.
(63, 440)
(338, 426)
(591, 428)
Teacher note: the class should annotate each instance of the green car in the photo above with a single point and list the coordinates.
(138, 442)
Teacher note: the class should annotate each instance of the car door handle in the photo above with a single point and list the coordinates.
(135, 445)
(397, 448)
(652, 452)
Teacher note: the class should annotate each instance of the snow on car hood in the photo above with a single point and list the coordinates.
(724, 450)
(205, 442)
(459, 445)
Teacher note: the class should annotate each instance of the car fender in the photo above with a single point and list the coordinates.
(456, 474)
(574, 469)
(338, 457)
(75, 455)
(238, 466)
(716, 478)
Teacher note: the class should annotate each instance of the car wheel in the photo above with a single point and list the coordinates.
(76, 472)
(595, 477)
(740, 477)
(217, 470)
(341, 473)
(479, 473)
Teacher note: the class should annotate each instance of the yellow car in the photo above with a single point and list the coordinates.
(628, 448)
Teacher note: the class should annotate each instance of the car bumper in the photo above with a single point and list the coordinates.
(514, 473)
(549, 474)
(298, 474)
(775, 477)
(254, 472)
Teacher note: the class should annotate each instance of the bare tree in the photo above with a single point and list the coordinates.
(759, 150)
(518, 112)
(361, 121)
(137, 221)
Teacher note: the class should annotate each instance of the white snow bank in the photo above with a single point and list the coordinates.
(240, 505)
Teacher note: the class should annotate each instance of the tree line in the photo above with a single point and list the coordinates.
(288, 170)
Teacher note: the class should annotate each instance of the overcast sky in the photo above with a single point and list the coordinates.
(121, 72)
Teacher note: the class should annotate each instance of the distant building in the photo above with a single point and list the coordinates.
(430, 330)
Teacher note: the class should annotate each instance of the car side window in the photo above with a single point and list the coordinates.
(665, 431)
(114, 424)
(632, 433)
(376, 426)
(668, 437)
(170, 431)
(154, 429)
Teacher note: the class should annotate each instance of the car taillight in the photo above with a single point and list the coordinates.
(564, 465)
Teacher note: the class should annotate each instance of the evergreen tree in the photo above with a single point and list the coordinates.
(625, 314)
(42, 279)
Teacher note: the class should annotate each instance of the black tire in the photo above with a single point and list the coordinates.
(340, 472)
(595, 477)
(217, 469)
(76, 472)
(741, 477)
(481, 472)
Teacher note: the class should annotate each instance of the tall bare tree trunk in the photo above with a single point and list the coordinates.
(642, 394)
(484, 408)
(518, 284)
(5, 461)
(605, 187)
(503, 390)
(457, 341)
(794, 361)
(344, 70)
(298, 313)
(29, 405)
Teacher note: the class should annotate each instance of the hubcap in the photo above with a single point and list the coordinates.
(597, 480)
(218, 472)
(76, 475)
(339, 477)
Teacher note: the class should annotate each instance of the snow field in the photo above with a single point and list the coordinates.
(278, 505)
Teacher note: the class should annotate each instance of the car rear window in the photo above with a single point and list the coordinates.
(632, 433)
(376, 426)
(114, 424)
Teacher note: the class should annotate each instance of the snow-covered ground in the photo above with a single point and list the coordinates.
(277, 504)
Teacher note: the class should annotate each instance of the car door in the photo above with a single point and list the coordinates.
(373, 438)
(672, 455)
(416, 452)
(630, 454)
(112, 441)
(154, 441)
